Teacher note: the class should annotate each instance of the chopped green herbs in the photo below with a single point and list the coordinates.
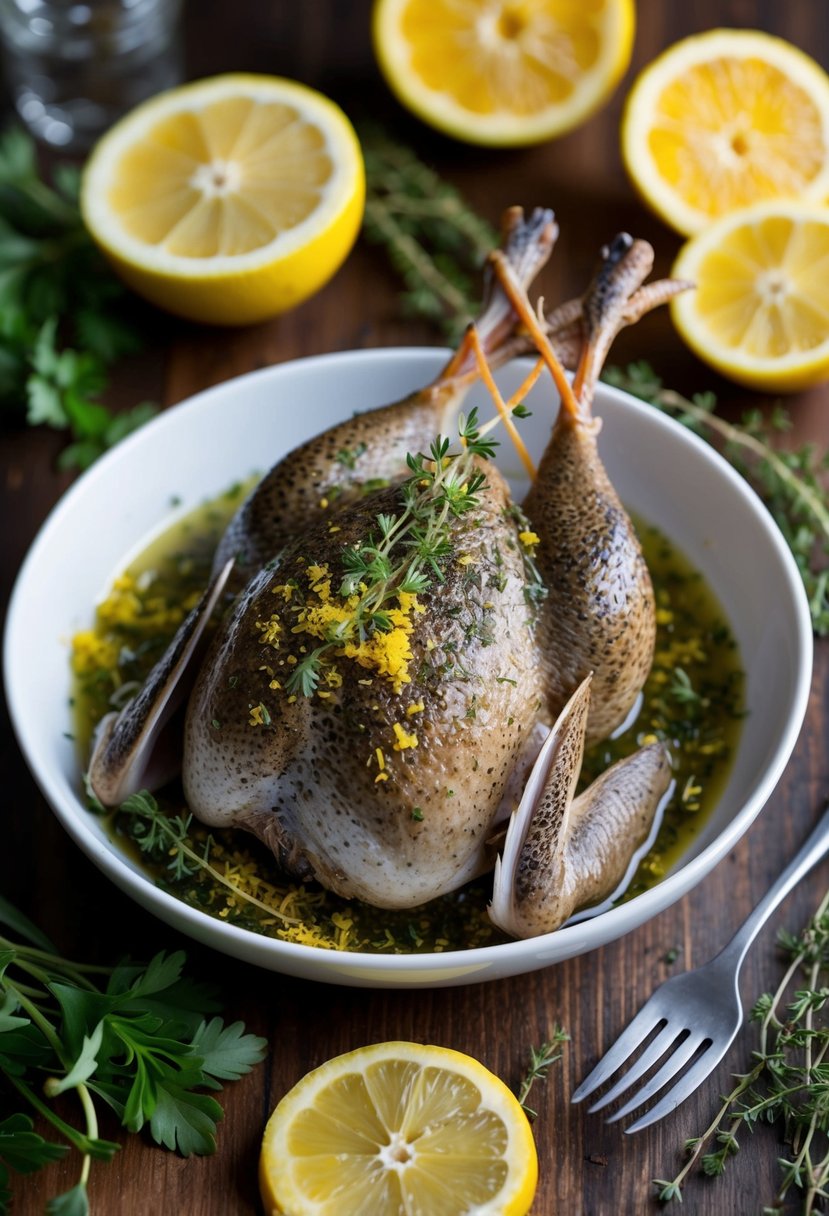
(348, 457)
(406, 553)
(139, 1038)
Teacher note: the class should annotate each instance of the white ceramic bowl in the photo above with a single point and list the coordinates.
(195, 451)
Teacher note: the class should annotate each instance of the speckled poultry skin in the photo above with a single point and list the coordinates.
(307, 783)
(333, 783)
(600, 614)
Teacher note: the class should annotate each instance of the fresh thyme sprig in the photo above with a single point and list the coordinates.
(167, 838)
(792, 484)
(435, 242)
(406, 553)
(787, 1082)
(540, 1060)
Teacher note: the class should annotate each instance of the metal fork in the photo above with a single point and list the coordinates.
(697, 1015)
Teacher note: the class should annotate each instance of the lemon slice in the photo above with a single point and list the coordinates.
(760, 313)
(228, 200)
(394, 1129)
(503, 72)
(723, 120)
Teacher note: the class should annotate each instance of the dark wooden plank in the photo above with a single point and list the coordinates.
(586, 1166)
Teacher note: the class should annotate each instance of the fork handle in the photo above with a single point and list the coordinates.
(815, 847)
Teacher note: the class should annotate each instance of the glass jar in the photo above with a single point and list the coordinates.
(74, 66)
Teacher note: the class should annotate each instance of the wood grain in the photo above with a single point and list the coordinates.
(586, 1166)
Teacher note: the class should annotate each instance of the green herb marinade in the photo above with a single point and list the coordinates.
(693, 701)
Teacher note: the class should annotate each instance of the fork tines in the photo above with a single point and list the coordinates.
(674, 1046)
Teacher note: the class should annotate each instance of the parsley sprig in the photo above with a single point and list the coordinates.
(138, 1038)
(785, 1080)
(64, 316)
(407, 551)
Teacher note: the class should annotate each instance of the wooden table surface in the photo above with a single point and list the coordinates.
(585, 1166)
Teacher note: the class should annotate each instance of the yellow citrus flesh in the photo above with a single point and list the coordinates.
(503, 72)
(228, 200)
(760, 312)
(397, 1128)
(723, 120)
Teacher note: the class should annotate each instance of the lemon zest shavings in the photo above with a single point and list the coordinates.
(404, 740)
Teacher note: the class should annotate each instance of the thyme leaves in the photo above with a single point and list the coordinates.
(433, 239)
(541, 1058)
(793, 484)
(785, 1081)
(406, 553)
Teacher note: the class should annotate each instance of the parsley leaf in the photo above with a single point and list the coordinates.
(64, 315)
(70, 1203)
(22, 1149)
(225, 1051)
(185, 1120)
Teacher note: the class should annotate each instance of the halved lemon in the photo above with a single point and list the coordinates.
(398, 1128)
(228, 200)
(723, 120)
(503, 72)
(760, 312)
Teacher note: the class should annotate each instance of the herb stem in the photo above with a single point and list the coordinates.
(701, 1142)
(91, 1116)
(74, 971)
(77, 1139)
(143, 807)
(412, 259)
(540, 1060)
(43, 1024)
(741, 438)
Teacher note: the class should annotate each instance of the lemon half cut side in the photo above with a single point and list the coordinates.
(227, 200)
(503, 72)
(760, 311)
(398, 1128)
(723, 120)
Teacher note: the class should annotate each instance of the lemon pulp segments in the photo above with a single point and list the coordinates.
(503, 71)
(710, 119)
(227, 200)
(398, 1128)
(723, 120)
(222, 181)
(760, 313)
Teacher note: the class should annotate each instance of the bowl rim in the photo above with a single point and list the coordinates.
(243, 943)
